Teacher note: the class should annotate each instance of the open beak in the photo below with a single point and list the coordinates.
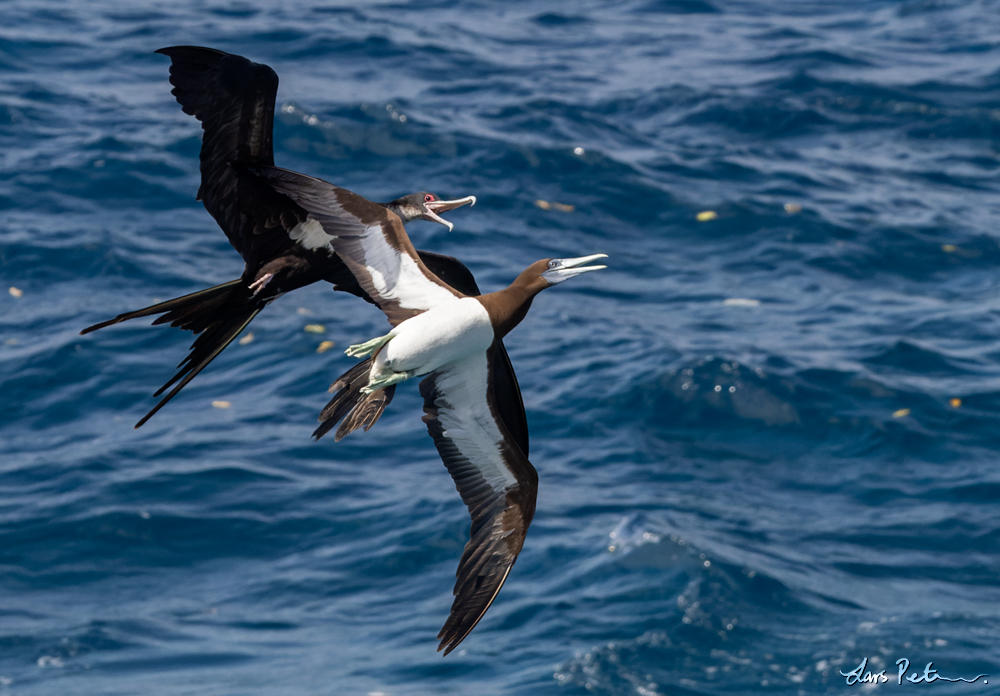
(564, 269)
(435, 208)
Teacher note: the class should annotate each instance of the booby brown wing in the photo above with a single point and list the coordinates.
(369, 239)
(494, 478)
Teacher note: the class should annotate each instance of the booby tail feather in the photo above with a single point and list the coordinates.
(351, 405)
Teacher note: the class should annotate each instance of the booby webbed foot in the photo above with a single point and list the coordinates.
(368, 348)
(382, 382)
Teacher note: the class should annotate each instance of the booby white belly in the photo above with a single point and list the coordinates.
(443, 334)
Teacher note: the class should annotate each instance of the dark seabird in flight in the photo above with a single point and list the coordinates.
(234, 99)
(451, 338)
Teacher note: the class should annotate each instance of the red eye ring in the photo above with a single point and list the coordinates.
(429, 197)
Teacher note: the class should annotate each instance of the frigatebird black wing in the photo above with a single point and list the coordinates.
(495, 479)
(234, 100)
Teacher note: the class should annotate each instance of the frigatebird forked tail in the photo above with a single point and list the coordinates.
(187, 312)
(204, 350)
(217, 314)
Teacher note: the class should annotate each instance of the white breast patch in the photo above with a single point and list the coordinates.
(441, 335)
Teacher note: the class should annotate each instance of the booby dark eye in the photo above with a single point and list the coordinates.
(429, 197)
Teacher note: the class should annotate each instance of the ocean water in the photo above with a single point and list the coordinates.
(768, 435)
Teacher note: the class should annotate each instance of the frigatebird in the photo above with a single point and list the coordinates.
(234, 99)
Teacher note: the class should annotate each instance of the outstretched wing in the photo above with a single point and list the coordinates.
(369, 239)
(494, 478)
(234, 100)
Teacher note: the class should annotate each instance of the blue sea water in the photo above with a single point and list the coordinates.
(767, 441)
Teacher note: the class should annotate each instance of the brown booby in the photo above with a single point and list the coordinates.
(451, 338)
(234, 100)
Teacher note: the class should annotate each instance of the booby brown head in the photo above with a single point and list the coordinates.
(509, 306)
(427, 206)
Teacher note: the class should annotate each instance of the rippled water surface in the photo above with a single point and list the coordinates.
(767, 435)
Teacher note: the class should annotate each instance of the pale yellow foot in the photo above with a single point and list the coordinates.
(363, 350)
(383, 382)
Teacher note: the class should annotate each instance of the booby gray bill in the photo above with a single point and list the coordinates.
(451, 339)
(234, 100)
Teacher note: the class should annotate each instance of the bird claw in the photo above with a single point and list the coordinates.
(259, 284)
